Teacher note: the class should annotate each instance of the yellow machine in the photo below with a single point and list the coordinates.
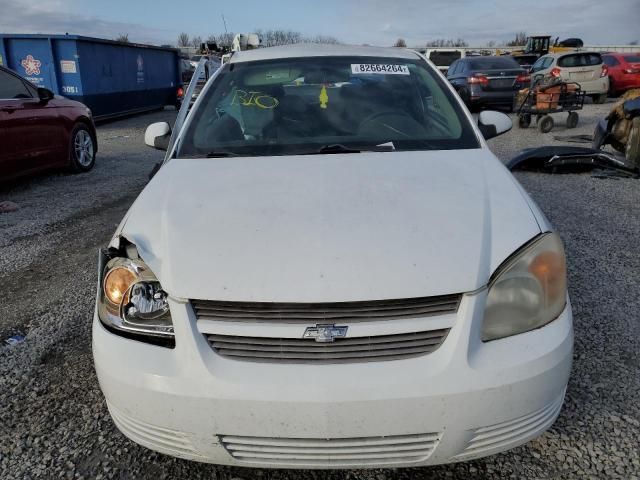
(541, 45)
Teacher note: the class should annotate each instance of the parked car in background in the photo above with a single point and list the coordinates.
(584, 68)
(40, 130)
(444, 57)
(331, 269)
(486, 81)
(194, 60)
(186, 70)
(526, 61)
(624, 71)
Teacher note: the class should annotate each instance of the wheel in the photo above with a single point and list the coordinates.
(524, 120)
(82, 149)
(546, 124)
(632, 150)
(600, 98)
(572, 120)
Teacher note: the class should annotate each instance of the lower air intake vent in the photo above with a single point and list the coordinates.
(344, 452)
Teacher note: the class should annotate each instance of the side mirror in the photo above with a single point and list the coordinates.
(157, 135)
(45, 95)
(492, 123)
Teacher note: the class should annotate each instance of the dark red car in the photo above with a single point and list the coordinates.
(40, 131)
(624, 71)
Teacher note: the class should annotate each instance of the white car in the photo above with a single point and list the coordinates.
(584, 68)
(332, 270)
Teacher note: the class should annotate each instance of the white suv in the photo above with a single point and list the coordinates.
(584, 68)
(332, 270)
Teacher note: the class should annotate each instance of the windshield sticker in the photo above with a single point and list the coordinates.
(379, 69)
(324, 98)
(254, 99)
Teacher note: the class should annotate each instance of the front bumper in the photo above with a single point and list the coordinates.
(488, 97)
(599, 86)
(466, 400)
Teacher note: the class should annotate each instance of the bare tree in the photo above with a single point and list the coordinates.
(223, 39)
(324, 39)
(634, 42)
(272, 38)
(491, 44)
(520, 39)
(183, 40)
(441, 42)
(123, 37)
(196, 41)
(400, 43)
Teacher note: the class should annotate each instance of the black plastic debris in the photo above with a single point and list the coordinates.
(568, 159)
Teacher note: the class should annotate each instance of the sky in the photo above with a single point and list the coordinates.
(376, 22)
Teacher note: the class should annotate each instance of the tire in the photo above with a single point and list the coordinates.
(524, 120)
(82, 149)
(612, 88)
(546, 124)
(572, 120)
(599, 99)
(632, 150)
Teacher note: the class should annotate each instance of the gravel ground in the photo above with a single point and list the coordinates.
(54, 422)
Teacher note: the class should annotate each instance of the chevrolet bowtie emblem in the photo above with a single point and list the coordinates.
(325, 333)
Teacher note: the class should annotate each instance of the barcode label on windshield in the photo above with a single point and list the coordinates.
(379, 68)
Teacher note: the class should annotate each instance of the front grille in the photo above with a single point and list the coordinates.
(352, 349)
(401, 449)
(325, 312)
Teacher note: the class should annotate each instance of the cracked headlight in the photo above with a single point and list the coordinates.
(528, 291)
(131, 302)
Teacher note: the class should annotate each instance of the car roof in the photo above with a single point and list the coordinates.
(577, 52)
(480, 57)
(317, 50)
(620, 54)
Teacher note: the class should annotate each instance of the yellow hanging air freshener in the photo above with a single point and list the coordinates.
(324, 98)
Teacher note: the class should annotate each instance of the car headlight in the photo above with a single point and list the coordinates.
(528, 291)
(131, 302)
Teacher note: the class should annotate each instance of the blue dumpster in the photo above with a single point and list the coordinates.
(112, 78)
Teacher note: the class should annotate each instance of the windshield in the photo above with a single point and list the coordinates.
(444, 59)
(301, 106)
(494, 63)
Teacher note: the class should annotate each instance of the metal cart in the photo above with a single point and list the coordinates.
(542, 101)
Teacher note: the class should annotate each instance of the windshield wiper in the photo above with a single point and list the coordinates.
(220, 154)
(339, 148)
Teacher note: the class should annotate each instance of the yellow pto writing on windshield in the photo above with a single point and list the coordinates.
(254, 99)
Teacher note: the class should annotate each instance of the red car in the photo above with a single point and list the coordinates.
(624, 71)
(41, 131)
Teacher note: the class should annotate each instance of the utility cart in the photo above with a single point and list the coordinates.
(543, 100)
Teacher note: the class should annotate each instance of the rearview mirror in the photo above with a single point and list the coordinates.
(157, 135)
(492, 124)
(45, 95)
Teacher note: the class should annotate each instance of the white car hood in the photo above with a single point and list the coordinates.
(329, 228)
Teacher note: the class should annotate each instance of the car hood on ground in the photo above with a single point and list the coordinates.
(330, 228)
